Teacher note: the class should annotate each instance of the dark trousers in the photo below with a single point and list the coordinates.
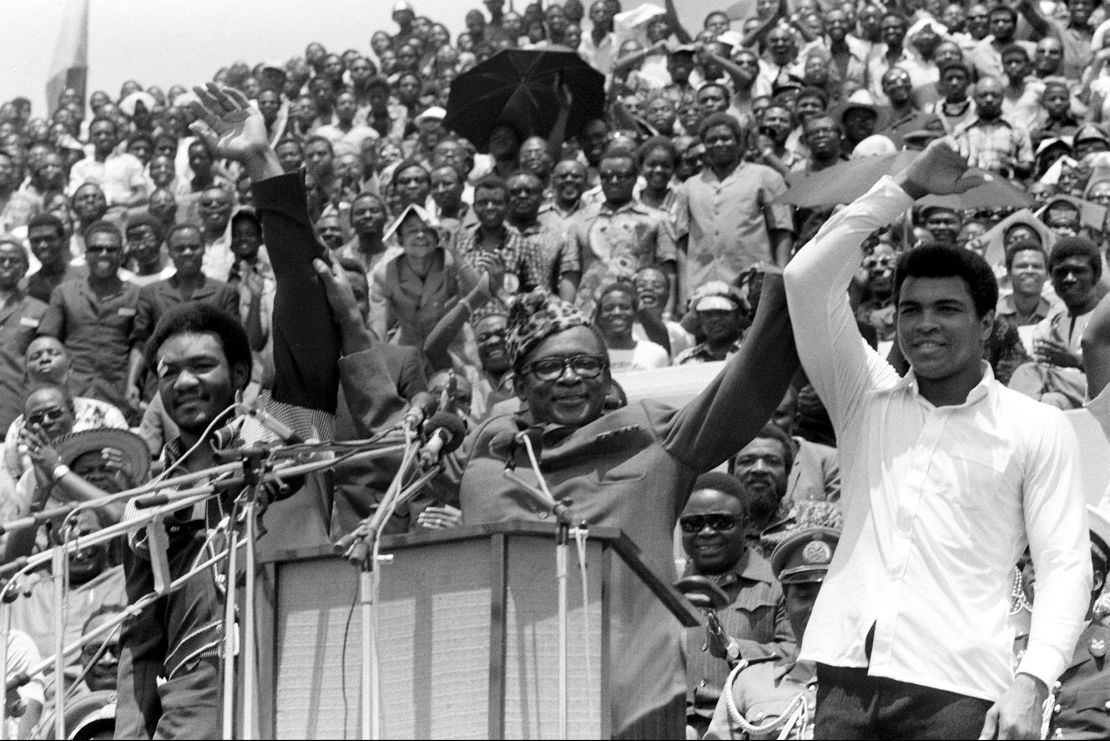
(175, 637)
(853, 705)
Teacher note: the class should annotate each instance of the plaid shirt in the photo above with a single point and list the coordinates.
(520, 258)
(557, 256)
(995, 146)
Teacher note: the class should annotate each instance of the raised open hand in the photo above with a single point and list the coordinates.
(228, 123)
(940, 169)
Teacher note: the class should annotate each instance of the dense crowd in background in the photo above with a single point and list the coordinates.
(658, 219)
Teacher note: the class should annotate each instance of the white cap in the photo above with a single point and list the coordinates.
(435, 113)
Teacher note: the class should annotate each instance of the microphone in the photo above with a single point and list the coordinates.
(225, 436)
(422, 406)
(271, 423)
(506, 444)
(447, 433)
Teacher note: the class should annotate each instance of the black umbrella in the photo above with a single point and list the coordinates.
(520, 87)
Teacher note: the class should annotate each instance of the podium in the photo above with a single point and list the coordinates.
(468, 635)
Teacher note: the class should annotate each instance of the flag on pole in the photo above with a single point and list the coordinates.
(70, 67)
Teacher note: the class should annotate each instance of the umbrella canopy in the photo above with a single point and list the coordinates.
(847, 181)
(997, 193)
(520, 87)
(844, 182)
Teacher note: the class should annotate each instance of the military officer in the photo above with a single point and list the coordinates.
(1080, 703)
(775, 697)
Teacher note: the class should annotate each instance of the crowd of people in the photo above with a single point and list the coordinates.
(319, 209)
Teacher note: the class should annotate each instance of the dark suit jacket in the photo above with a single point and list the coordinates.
(359, 488)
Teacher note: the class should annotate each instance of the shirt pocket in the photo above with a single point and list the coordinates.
(981, 479)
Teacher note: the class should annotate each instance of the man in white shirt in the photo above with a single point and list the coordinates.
(946, 476)
(119, 175)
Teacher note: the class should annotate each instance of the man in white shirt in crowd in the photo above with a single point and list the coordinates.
(946, 476)
(119, 175)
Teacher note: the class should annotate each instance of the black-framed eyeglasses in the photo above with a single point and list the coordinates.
(692, 524)
(551, 369)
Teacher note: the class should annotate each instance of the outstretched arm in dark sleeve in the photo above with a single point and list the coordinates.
(306, 339)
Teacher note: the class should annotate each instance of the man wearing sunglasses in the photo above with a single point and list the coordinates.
(94, 319)
(714, 523)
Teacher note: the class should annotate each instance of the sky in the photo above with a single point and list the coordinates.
(163, 42)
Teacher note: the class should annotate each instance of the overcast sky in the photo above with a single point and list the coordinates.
(162, 42)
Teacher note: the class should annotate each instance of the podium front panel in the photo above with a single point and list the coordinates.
(434, 646)
(532, 643)
(468, 642)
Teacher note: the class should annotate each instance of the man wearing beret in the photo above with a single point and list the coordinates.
(775, 697)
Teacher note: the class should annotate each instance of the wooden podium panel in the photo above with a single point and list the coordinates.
(468, 644)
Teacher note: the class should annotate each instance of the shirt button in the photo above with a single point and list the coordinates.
(1056, 709)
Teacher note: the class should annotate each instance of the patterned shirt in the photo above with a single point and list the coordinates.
(995, 146)
(615, 243)
(521, 259)
(700, 353)
(558, 258)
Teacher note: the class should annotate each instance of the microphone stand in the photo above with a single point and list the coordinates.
(58, 557)
(561, 509)
(256, 464)
(361, 547)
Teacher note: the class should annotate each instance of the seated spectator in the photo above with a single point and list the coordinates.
(653, 288)
(1056, 375)
(47, 362)
(878, 310)
(721, 319)
(1027, 270)
(617, 307)
(815, 473)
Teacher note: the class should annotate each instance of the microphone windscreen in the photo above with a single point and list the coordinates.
(451, 424)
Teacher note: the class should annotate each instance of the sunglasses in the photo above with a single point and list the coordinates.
(46, 415)
(693, 524)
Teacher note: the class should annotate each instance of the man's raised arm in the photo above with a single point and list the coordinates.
(831, 349)
(307, 342)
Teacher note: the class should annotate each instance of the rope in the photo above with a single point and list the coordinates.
(795, 711)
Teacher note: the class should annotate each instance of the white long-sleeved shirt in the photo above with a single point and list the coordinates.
(938, 502)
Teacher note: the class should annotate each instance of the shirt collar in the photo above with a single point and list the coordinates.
(978, 393)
